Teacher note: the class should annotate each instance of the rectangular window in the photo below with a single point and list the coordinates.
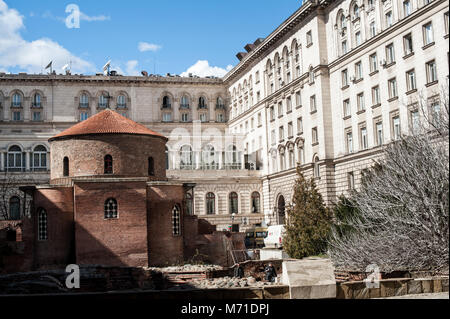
(16, 116)
(309, 38)
(406, 8)
(315, 137)
(446, 22)
(298, 99)
(259, 119)
(414, 119)
(344, 74)
(347, 110)
(312, 102)
(388, 17)
(396, 128)
(299, 125)
(363, 137)
(428, 33)
(220, 118)
(408, 44)
(358, 71)
(411, 80)
(84, 116)
(392, 84)
(184, 117)
(390, 54)
(280, 109)
(272, 113)
(167, 117)
(351, 181)
(349, 140)
(203, 118)
(281, 133)
(273, 138)
(36, 116)
(435, 109)
(431, 72)
(288, 77)
(257, 77)
(288, 105)
(373, 29)
(344, 47)
(376, 95)
(258, 96)
(290, 130)
(360, 101)
(379, 133)
(373, 62)
(358, 38)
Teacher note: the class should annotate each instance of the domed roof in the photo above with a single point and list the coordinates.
(107, 122)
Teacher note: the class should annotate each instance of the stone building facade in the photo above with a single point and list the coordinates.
(326, 89)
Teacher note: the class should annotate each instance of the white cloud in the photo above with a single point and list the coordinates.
(131, 67)
(85, 17)
(144, 46)
(30, 56)
(202, 69)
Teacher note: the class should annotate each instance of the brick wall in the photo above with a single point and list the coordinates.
(113, 242)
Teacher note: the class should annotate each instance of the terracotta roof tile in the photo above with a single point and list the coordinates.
(107, 122)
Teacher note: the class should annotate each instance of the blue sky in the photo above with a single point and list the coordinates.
(174, 35)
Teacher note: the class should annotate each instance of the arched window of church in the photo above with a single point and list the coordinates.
(176, 221)
(14, 208)
(42, 224)
(233, 199)
(210, 204)
(256, 202)
(108, 164)
(151, 167)
(66, 166)
(111, 209)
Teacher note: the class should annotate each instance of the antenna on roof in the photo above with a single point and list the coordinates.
(106, 68)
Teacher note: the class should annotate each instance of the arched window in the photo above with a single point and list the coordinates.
(40, 158)
(220, 103)
(166, 102)
(210, 204)
(202, 103)
(281, 209)
(232, 157)
(108, 164)
(256, 202)
(233, 202)
(209, 157)
(103, 100)
(14, 208)
(316, 167)
(176, 221)
(121, 102)
(184, 102)
(16, 160)
(342, 21)
(36, 100)
(66, 166)
(188, 203)
(42, 224)
(17, 100)
(186, 157)
(151, 167)
(84, 101)
(291, 157)
(355, 12)
(111, 209)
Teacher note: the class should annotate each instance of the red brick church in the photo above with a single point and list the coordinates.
(109, 202)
